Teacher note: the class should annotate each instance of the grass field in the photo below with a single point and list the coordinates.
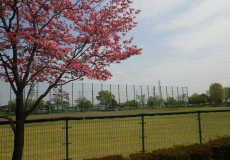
(102, 137)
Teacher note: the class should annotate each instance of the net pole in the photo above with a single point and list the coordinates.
(167, 97)
(119, 98)
(187, 96)
(141, 98)
(83, 98)
(92, 97)
(61, 100)
(72, 97)
(148, 96)
(178, 97)
(110, 97)
(183, 96)
(126, 98)
(50, 101)
(172, 96)
(10, 102)
(134, 97)
(155, 98)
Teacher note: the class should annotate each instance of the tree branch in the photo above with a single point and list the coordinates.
(11, 122)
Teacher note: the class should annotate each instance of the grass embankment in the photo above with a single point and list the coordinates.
(102, 137)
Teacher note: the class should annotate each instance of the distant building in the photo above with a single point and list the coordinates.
(4, 108)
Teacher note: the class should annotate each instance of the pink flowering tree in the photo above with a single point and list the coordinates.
(59, 41)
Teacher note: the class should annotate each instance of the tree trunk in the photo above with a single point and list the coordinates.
(18, 141)
(19, 131)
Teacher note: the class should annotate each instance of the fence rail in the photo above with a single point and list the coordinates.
(97, 136)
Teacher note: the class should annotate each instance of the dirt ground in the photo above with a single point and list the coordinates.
(96, 113)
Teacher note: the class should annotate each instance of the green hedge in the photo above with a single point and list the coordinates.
(217, 149)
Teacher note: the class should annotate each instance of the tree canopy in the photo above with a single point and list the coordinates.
(216, 92)
(106, 98)
(59, 41)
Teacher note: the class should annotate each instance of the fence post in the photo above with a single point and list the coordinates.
(143, 134)
(167, 97)
(72, 97)
(178, 97)
(148, 96)
(187, 96)
(126, 98)
(119, 98)
(61, 100)
(155, 98)
(134, 97)
(141, 98)
(37, 96)
(172, 96)
(183, 96)
(199, 124)
(50, 102)
(67, 141)
(10, 102)
(161, 97)
(110, 96)
(92, 97)
(83, 98)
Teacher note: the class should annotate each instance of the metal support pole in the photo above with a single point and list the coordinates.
(134, 97)
(119, 98)
(143, 134)
(72, 97)
(183, 96)
(61, 100)
(172, 96)
(126, 98)
(37, 96)
(155, 97)
(178, 98)
(141, 98)
(10, 103)
(199, 124)
(148, 95)
(92, 97)
(161, 96)
(187, 96)
(110, 97)
(50, 102)
(167, 97)
(67, 141)
(83, 98)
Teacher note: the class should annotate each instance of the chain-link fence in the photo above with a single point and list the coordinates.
(87, 137)
(80, 97)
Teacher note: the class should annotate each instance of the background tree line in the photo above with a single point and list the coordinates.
(216, 94)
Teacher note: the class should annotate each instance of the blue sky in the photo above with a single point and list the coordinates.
(185, 43)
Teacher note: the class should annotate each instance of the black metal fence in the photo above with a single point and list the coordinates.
(97, 136)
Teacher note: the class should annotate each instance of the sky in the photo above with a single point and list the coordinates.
(185, 43)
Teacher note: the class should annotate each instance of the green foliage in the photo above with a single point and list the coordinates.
(141, 99)
(226, 91)
(130, 104)
(171, 101)
(13, 104)
(87, 103)
(196, 99)
(49, 104)
(216, 92)
(106, 98)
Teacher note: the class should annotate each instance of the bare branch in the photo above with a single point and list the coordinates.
(11, 122)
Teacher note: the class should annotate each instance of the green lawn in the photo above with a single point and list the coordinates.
(102, 137)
